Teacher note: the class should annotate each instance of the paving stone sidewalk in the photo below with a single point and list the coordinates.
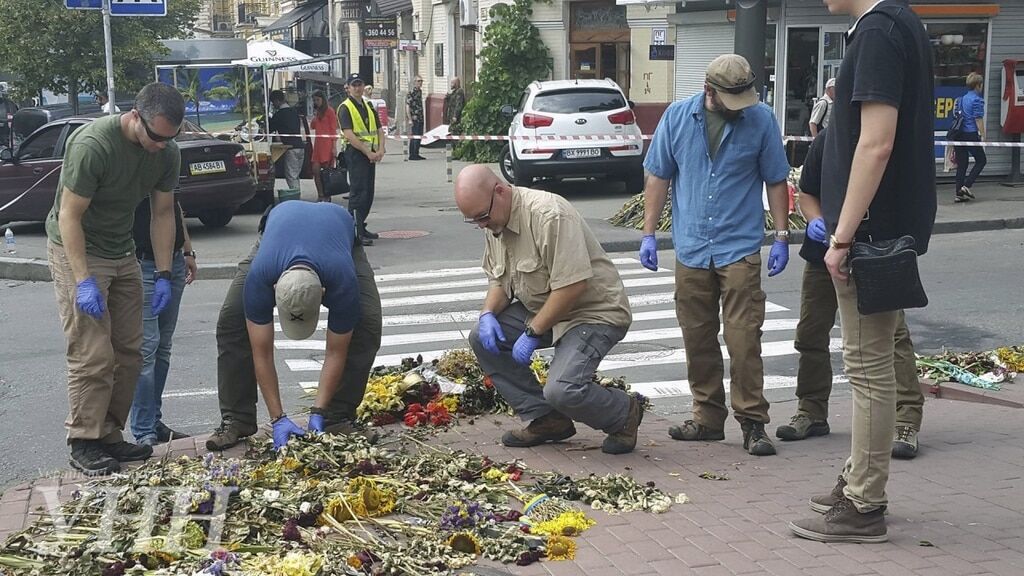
(957, 509)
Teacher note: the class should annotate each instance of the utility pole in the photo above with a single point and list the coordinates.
(751, 21)
(108, 46)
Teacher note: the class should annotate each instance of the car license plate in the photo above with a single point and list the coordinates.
(213, 167)
(582, 153)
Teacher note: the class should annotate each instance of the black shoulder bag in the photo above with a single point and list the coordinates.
(335, 180)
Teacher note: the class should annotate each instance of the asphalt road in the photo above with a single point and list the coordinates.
(973, 280)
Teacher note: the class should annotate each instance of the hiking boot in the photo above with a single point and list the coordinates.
(88, 458)
(370, 235)
(623, 441)
(800, 427)
(824, 503)
(844, 523)
(551, 427)
(365, 240)
(904, 444)
(964, 190)
(755, 440)
(165, 434)
(691, 431)
(228, 434)
(347, 426)
(127, 452)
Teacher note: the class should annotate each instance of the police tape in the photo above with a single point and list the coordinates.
(581, 138)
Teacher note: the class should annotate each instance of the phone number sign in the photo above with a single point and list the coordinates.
(380, 33)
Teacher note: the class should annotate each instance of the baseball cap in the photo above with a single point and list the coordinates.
(831, 82)
(354, 78)
(298, 294)
(732, 79)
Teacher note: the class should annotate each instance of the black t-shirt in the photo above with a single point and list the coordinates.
(286, 121)
(143, 242)
(810, 184)
(888, 60)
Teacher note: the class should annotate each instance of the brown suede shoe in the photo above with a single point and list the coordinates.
(551, 427)
(346, 426)
(228, 434)
(624, 441)
(691, 431)
(844, 523)
(824, 503)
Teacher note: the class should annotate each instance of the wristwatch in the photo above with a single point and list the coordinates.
(782, 235)
(163, 274)
(191, 253)
(530, 332)
(835, 244)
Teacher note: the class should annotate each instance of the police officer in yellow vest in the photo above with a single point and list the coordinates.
(365, 136)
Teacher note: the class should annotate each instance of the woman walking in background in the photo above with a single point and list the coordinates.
(325, 125)
(972, 106)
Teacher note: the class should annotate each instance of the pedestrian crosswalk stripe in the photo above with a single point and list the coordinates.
(770, 325)
(678, 355)
(483, 281)
(673, 388)
(447, 272)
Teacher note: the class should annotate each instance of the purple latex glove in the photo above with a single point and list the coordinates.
(490, 332)
(284, 429)
(522, 351)
(649, 252)
(816, 230)
(778, 257)
(89, 299)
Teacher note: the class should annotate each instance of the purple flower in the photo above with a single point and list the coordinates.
(291, 531)
(208, 459)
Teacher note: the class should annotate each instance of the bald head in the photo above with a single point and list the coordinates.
(473, 187)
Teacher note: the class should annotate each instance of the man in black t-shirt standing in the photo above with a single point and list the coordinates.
(286, 121)
(878, 184)
(365, 136)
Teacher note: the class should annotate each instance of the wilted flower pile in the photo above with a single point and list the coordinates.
(325, 505)
(979, 369)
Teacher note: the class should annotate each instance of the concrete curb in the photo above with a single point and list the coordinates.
(37, 270)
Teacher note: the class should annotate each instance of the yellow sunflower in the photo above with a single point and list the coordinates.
(571, 523)
(561, 548)
(367, 499)
(464, 542)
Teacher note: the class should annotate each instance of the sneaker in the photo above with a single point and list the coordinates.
(623, 441)
(347, 426)
(551, 427)
(691, 431)
(800, 427)
(755, 440)
(88, 458)
(127, 452)
(844, 523)
(961, 197)
(228, 434)
(165, 434)
(966, 192)
(904, 444)
(824, 503)
(370, 235)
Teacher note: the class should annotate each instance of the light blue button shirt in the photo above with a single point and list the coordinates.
(717, 211)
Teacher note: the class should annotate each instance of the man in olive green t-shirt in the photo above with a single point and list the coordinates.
(110, 165)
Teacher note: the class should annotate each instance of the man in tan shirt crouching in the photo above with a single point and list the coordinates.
(551, 283)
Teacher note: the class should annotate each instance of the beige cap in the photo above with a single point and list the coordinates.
(831, 82)
(298, 294)
(732, 79)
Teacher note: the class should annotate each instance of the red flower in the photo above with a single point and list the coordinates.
(415, 415)
(439, 415)
(488, 383)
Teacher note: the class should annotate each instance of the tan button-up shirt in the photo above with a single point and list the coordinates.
(546, 246)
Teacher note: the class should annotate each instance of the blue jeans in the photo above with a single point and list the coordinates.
(156, 349)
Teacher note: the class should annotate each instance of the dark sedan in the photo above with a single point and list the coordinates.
(215, 176)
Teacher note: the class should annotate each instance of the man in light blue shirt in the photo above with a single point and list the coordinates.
(717, 149)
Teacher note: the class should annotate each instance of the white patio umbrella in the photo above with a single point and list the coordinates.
(270, 53)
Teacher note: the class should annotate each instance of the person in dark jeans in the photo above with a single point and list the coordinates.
(365, 136)
(286, 120)
(972, 106)
(236, 372)
(414, 111)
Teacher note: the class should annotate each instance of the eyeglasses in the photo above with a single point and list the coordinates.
(486, 215)
(154, 136)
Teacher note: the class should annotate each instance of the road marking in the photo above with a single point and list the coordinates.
(674, 388)
(483, 281)
(190, 394)
(678, 356)
(447, 272)
(673, 333)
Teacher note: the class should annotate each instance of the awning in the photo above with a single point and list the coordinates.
(393, 7)
(270, 53)
(298, 14)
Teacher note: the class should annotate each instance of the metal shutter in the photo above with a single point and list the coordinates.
(696, 46)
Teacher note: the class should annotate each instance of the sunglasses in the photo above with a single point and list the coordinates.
(486, 215)
(154, 136)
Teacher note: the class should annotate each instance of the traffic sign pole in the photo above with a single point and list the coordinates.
(109, 48)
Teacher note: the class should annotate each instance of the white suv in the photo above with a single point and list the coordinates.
(571, 109)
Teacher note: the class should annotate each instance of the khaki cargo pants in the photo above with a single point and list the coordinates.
(103, 356)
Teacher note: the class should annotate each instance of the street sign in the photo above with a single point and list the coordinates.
(83, 4)
(138, 7)
(380, 33)
(410, 45)
(658, 36)
(351, 10)
(663, 52)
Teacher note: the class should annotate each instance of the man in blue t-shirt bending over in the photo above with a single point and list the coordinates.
(304, 259)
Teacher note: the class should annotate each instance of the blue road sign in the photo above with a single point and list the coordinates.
(138, 7)
(84, 4)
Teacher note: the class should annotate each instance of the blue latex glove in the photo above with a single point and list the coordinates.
(89, 299)
(649, 252)
(316, 422)
(490, 332)
(161, 295)
(283, 430)
(778, 257)
(522, 351)
(816, 230)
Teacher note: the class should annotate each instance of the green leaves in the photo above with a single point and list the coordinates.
(513, 56)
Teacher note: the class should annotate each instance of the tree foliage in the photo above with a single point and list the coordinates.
(46, 46)
(513, 56)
